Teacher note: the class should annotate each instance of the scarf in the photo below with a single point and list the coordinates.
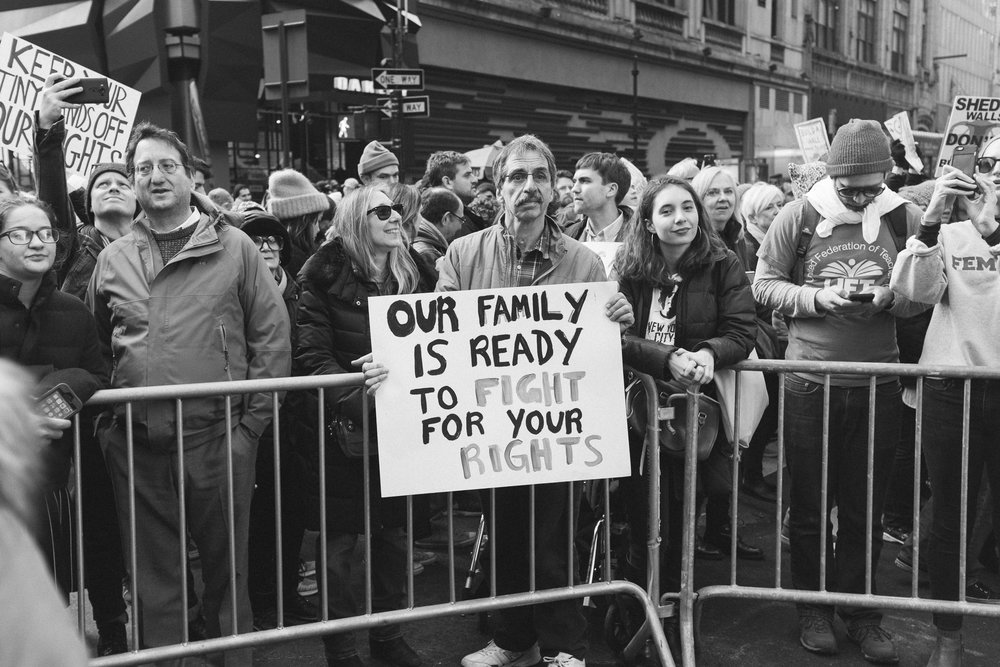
(823, 197)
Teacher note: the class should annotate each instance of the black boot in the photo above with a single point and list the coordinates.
(395, 651)
(111, 639)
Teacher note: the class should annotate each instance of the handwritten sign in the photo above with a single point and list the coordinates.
(813, 139)
(94, 132)
(500, 387)
(899, 128)
(973, 121)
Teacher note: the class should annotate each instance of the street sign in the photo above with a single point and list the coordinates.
(410, 107)
(398, 79)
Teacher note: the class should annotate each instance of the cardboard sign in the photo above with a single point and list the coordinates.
(814, 142)
(94, 132)
(973, 120)
(899, 128)
(499, 387)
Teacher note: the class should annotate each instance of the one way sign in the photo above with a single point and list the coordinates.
(409, 107)
(398, 79)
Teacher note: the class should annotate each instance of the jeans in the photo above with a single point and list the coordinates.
(847, 477)
(942, 433)
(389, 564)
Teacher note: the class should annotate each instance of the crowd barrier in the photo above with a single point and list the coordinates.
(692, 598)
(653, 606)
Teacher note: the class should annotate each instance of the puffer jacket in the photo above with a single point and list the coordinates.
(714, 309)
(212, 313)
(333, 330)
(56, 339)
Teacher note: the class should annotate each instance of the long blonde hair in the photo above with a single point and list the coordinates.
(350, 225)
(20, 442)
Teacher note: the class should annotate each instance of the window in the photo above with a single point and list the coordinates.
(765, 97)
(864, 45)
(797, 102)
(775, 19)
(827, 12)
(900, 35)
(723, 11)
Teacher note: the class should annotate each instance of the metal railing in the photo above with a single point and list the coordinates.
(692, 598)
(649, 599)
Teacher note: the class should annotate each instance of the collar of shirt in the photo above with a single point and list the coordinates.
(192, 219)
(544, 245)
(609, 233)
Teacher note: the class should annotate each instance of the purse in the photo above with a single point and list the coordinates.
(673, 431)
(349, 436)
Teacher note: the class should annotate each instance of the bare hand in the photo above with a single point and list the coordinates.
(830, 300)
(375, 373)
(982, 210)
(52, 428)
(619, 310)
(685, 368)
(54, 94)
(706, 360)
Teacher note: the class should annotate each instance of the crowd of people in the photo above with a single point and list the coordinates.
(142, 278)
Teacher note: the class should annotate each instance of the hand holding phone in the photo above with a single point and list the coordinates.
(95, 91)
(964, 159)
(862, 297)
(59, 402)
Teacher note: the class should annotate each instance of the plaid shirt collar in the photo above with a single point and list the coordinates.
(528, 265)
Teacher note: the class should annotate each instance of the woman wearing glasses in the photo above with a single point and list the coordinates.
(365, 256)
(55, 336)
(954, 267)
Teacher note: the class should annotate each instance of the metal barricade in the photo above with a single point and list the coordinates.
(232, 640)
(692, 598)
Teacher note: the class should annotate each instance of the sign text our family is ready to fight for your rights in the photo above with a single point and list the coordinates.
(500, 387)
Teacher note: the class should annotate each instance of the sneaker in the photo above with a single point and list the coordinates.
(894, 534)
(564, 660)
(981, 592)
(494, 656)
(424, 557)
(440, 542)
(816, 634)
(876, 644)
(904, 561)
(111, 639)
(418, 568)
(308, 587)
(307, 568)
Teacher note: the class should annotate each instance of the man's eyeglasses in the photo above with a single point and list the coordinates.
(868, 192)
(985, 165)
(166, 167)
(384, 211)
(273, 242)
(460, 217)
(23, 236)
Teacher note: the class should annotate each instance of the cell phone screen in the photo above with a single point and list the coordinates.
(863, 297)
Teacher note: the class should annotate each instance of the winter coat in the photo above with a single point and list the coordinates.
(213, 313)
(334, 329)
(57, 340)
(714, 307)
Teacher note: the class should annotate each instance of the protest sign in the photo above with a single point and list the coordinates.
(813, 139)
(606, 250)
(899, 128)
(973, 120)
(500, 387)
(94, 132)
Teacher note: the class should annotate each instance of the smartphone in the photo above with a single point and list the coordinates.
(964, 159)
(95, 91)
(862, 297)
(60, 402)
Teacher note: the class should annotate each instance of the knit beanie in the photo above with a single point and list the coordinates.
(102, 168)
(859, 147)
(375, 156)
(290, 194)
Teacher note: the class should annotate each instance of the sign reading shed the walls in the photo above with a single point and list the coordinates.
(500, 387)
(95, 133)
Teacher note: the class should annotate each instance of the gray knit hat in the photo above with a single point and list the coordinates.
(290, 195)
(859, 147)
(375, 156)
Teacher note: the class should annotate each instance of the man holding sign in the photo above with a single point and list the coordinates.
(526, 248)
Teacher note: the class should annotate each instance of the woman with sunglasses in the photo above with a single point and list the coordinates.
(954, 267)
(694, 313)
(365, 256)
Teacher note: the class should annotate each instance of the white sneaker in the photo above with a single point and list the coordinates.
(565, 660)
(494, 656)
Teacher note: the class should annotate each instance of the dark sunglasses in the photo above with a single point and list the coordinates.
(869, 192)
(384, 211)
(985, 164)
(273, 242)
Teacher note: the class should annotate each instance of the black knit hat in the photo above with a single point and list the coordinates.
(102, 168)
(258, 222)
(859, 147)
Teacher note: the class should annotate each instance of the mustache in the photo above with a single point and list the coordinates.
(526, 199)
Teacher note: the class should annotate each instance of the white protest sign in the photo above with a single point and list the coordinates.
(813, 139)
(94, 132)
(499, 387)
(606, 250)
(973, 120)
(899, 128)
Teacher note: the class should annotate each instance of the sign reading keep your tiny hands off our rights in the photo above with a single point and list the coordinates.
(501, 387)
(94, 132)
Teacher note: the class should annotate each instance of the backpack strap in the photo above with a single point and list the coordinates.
(898, 226)
(807, 227)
